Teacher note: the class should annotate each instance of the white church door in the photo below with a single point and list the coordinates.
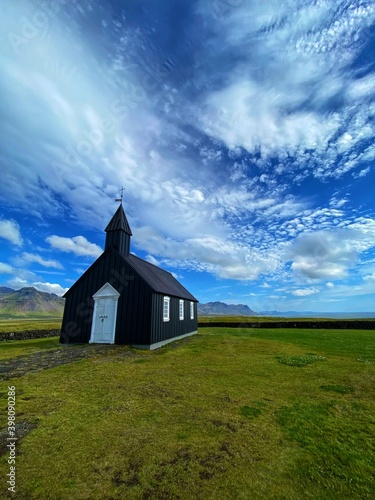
(104, 317)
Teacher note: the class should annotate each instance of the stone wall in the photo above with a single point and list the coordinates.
(28, 334)
(334, 324)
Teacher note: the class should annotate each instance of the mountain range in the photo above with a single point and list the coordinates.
(29, 301)
(222, 309)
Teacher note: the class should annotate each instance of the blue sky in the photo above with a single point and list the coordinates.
(242, 131)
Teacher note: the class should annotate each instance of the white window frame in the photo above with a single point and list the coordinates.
(166, 310)
(181, 309)
(191, 310)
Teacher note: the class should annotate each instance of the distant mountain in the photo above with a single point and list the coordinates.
(222, 309)
(29, 301)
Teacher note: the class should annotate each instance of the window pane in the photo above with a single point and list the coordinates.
(166, 309)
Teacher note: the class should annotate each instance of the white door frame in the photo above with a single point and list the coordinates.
(106, 291)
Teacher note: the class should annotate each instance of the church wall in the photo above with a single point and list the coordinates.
(134, 306)
(164, 330)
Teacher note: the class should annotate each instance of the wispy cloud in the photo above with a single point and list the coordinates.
(292, 57)
(361, 173)
(241, 134)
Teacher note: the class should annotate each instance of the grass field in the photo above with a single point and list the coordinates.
(11, 350)
(230, 414)
(22, 324)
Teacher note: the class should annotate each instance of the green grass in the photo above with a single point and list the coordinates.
(300, 361)
(9, 350)
(22, 324)
(354, 343)
(218, 418)
(342, 389)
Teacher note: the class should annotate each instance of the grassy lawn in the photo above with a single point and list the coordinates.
(231, 414)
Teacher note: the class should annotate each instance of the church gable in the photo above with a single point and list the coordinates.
(106, 290)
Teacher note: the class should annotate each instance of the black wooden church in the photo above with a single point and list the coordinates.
(122, 299)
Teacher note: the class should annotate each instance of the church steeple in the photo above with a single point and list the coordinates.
(118, 232)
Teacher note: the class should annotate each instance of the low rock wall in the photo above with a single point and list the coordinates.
(337, 325)
(28, 334)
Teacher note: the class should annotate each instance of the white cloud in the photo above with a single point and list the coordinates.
(364, 228)
(31, 257)
(361, 173)
(331, 254)
(304, 292)
(362, 87)
(50, 288)
(266, 113)
(215, 254)
(276, 104)
(5, 268)
(78, 245)
(338, 203)
(20, 282)
(152, 260)
(10, 230)
(248, 114)
(323, 254)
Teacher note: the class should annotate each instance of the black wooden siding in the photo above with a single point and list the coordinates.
(118, 240)
(133, 325)
(165, 330)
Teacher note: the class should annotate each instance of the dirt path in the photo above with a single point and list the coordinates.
(38, 361)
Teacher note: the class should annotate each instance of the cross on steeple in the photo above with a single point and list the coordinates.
(121, 191)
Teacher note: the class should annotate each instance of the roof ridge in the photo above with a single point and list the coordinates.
(160, 280)
(150, 263)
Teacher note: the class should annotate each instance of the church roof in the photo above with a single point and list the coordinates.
(119, 222)
(159, 280)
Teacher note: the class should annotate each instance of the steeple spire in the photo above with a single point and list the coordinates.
(118, 232)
